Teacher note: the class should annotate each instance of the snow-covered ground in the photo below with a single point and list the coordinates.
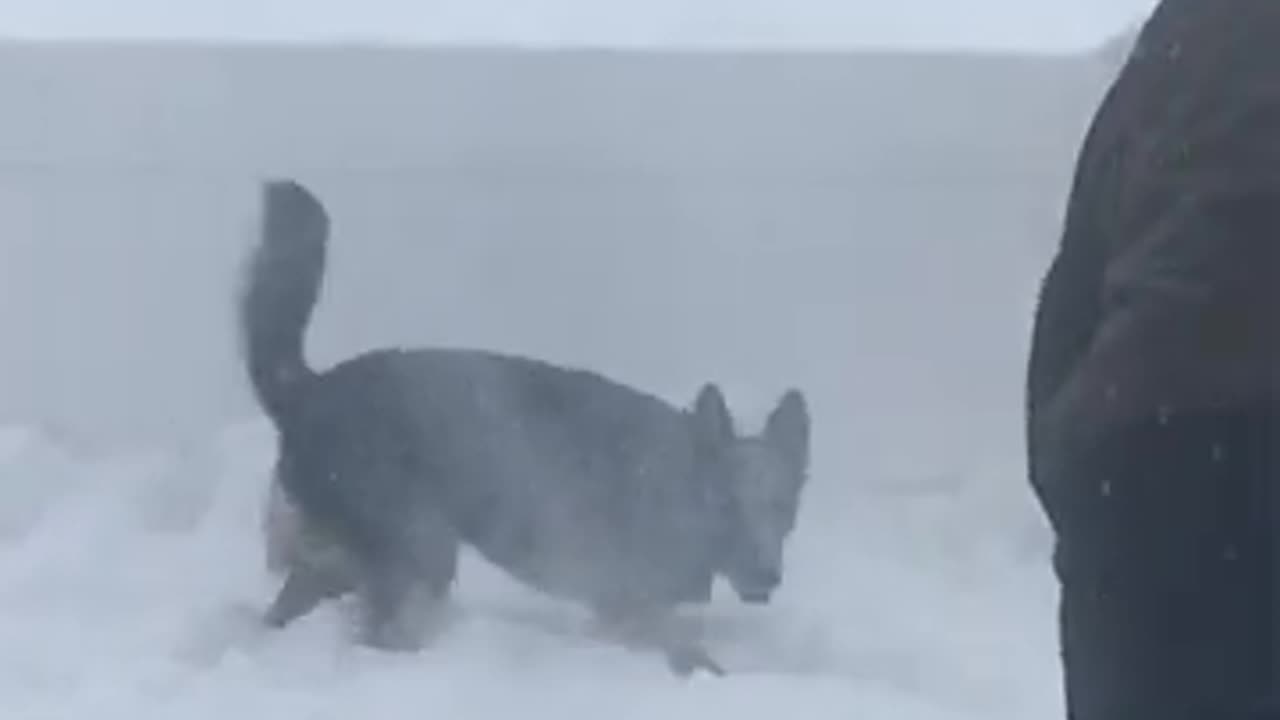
(918, 582)
(127, 585)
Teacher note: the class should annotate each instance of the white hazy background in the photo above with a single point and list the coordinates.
(868, 224)
(1026, 25)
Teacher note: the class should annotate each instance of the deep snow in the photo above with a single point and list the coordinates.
(128, 585)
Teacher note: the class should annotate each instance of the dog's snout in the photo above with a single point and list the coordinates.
(770, 577)
(758, 586)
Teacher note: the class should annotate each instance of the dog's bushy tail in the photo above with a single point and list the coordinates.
(281, 286)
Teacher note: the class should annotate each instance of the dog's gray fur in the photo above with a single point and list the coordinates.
(575, 485)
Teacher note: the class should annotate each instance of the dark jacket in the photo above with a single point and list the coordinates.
(1164, 296)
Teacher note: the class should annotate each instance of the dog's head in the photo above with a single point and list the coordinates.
(755, 483)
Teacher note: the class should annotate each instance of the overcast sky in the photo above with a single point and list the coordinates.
(1020, 24)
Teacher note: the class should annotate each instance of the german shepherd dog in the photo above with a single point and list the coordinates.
(577, 486)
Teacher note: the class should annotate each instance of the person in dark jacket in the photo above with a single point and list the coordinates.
(1153, 387)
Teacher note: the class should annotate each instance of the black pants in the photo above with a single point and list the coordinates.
(1166, 556)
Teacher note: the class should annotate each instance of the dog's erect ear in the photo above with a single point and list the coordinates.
(711, 418)
(788, 428)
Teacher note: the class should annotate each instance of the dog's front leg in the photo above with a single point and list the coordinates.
(655, 630)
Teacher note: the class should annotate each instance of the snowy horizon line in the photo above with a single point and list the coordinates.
(701, 47)
(764, 40)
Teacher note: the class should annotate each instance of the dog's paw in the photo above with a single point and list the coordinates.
(687, 660)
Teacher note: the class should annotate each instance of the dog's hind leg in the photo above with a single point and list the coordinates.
(303, 590)
(403, 598)
(398, 610)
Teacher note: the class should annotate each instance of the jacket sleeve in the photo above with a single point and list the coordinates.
(1188, 316)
